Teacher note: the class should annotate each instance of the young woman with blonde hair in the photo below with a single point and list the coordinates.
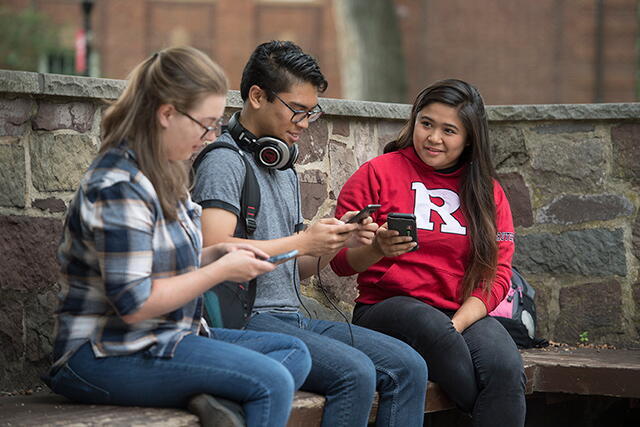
(129, 328)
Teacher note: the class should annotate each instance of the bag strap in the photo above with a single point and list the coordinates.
(249, 208)
(250, 196)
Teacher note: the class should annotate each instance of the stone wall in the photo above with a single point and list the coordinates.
(572, 173)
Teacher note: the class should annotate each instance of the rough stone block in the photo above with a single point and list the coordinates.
(635, 289)
(319, 311)
(519, 199)
(19, 82)
(567, 162)
(340, 126)
(539, 112)
(626, 151)
(635, 237)
(313, 192)
(11, 330)
(58, 84)
(50, 204)
(26, 337)
(15, 115)
(29, 245)
(596, 252)
(12, 173)
(594, 308)
(39, 324)
(348, 108)
(543, 301)
(388, 131)
(575, 209)
(77, 116)
(58, 161)
(507, 146)
(339, 289)
(342, 164)
(11, 340)
(564, 127)
(313, 142)
(365, 147)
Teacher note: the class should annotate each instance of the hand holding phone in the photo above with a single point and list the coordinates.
(405, 224)
(286, 256)
(364, 212)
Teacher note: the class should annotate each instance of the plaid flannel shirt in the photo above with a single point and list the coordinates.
(116, 240)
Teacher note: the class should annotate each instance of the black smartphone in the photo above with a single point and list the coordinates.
(282, 257)
(405, 224)
(364, 212)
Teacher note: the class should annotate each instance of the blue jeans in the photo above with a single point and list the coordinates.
(480, 370)
(259, 370)
(348, 376)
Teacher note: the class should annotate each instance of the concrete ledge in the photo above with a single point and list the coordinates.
(584, 371)
(53, 410)
(20, 82)
(611, 111)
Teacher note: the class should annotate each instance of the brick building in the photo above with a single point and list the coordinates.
(515, 51)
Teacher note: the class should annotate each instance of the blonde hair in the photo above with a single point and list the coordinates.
(180, 76)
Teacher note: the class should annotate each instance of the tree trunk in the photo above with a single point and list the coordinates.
(372, 59)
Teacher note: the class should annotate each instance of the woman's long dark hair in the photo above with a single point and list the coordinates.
(476, 191)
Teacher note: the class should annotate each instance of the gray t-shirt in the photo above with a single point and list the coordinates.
(218, 184)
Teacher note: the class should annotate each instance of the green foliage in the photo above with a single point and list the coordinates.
(24, 37)
(583, 337)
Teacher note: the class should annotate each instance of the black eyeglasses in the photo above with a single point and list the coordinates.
(215, 128)
(299, 115)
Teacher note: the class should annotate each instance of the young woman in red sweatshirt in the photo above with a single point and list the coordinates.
(436, 298)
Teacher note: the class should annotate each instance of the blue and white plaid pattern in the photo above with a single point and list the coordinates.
(115, 242)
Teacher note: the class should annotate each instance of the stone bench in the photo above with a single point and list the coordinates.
(565, 370)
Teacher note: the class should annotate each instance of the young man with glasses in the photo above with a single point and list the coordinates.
(279, 88)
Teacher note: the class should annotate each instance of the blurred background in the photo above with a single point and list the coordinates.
(514, 51)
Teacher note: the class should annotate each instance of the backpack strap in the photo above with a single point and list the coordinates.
(250, 196)
(229, 292)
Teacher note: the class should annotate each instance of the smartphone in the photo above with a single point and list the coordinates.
(282, 257)
(365, 212)
(405, 224)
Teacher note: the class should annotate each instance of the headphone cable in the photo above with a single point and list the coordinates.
(321, 286)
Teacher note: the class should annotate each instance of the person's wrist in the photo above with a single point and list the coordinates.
(376, 248)
(455, 324)
(303, 243)
(213, 271)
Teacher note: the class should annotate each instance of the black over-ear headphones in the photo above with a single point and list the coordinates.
(268, 151)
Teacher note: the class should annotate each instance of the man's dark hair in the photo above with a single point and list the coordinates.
(276, 65)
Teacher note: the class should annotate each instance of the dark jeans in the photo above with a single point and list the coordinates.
(480, 370)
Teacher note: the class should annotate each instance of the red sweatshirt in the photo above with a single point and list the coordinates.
(401, 182)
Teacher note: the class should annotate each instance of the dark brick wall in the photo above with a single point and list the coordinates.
(516, 52)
